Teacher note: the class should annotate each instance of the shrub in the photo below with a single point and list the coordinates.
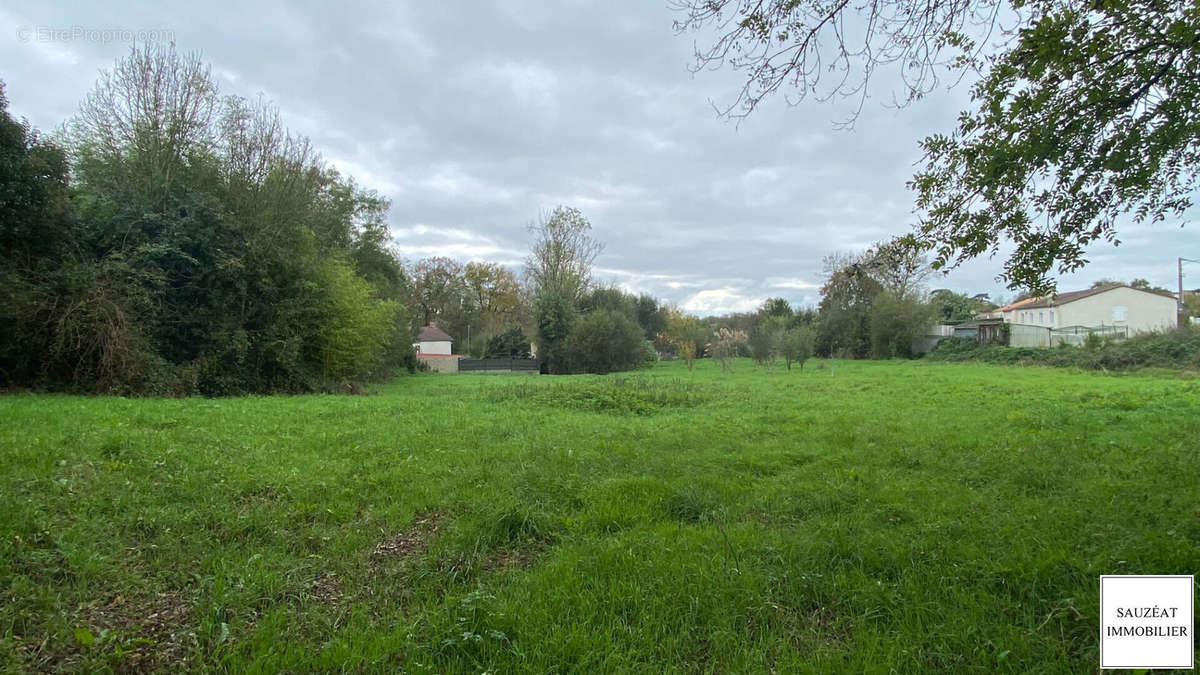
(1176, 349)
(604, 341)
(511, 344)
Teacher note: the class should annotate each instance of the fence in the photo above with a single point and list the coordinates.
(1024, 335)
(1075, 335)
(484, 365)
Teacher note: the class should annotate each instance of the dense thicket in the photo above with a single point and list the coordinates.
(176, 242)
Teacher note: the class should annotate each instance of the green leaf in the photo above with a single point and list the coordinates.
(84, 637)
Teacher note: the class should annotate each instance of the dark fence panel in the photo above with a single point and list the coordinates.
(516, 365)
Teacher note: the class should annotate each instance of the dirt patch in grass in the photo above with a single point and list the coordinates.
(412, 541)
(327, 589)
(523, 558)
(150, 633)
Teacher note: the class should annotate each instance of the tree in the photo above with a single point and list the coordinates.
(563, 252)
(1191, 303)
(687, 335)
(797, 345)
(1140, 284)
(1083, 112)
(773, 307)
(494, 293)
(845, 307)
(145, 116)
(767, 338)
(604, 341)
(898, 265)
(951, 307)
(440, 290)
(896, 322)
(610, 298)
(651, 316)
(559, 270)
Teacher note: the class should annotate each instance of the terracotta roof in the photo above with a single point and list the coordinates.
(1016, 305)
(432, 333)
(1072, 296)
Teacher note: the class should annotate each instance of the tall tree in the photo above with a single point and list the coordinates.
(495, 293)
(559, 270)
(439, 287)
(845, 308)
(1084, 111)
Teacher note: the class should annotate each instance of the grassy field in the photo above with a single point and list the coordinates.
(854, 517)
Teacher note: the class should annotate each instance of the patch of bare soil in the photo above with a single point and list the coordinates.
(411, 541)
(327, 589)
(509, 558)
(154, 632)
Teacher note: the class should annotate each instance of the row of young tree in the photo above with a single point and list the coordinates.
(874, 304)
(171, 240)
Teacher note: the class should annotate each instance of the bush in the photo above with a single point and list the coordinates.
(1177, 349)
(604, 341)
(511, 344)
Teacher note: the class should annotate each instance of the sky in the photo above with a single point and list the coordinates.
(476, 118)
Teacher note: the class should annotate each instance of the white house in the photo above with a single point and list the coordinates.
(433, 341)
(1134, 309)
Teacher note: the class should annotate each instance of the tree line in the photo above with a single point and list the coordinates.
(874, 304)
(171, 240)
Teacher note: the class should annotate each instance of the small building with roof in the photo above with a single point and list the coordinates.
(434, 348)
(433, 340)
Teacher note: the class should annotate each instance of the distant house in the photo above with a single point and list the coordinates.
(1122, 307)
(433, 340)
(434, 349)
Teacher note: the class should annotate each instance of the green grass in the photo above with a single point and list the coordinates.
(853, 517)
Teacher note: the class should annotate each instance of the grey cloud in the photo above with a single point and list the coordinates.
(474, 118)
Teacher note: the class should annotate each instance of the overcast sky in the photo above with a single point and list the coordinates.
(473, 118)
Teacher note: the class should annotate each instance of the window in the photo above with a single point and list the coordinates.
(1051, 317)
(1041, 317)
(1119, 313)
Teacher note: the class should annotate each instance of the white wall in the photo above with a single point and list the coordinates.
(434, 347)
(1144, 312)
(1048, 317)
